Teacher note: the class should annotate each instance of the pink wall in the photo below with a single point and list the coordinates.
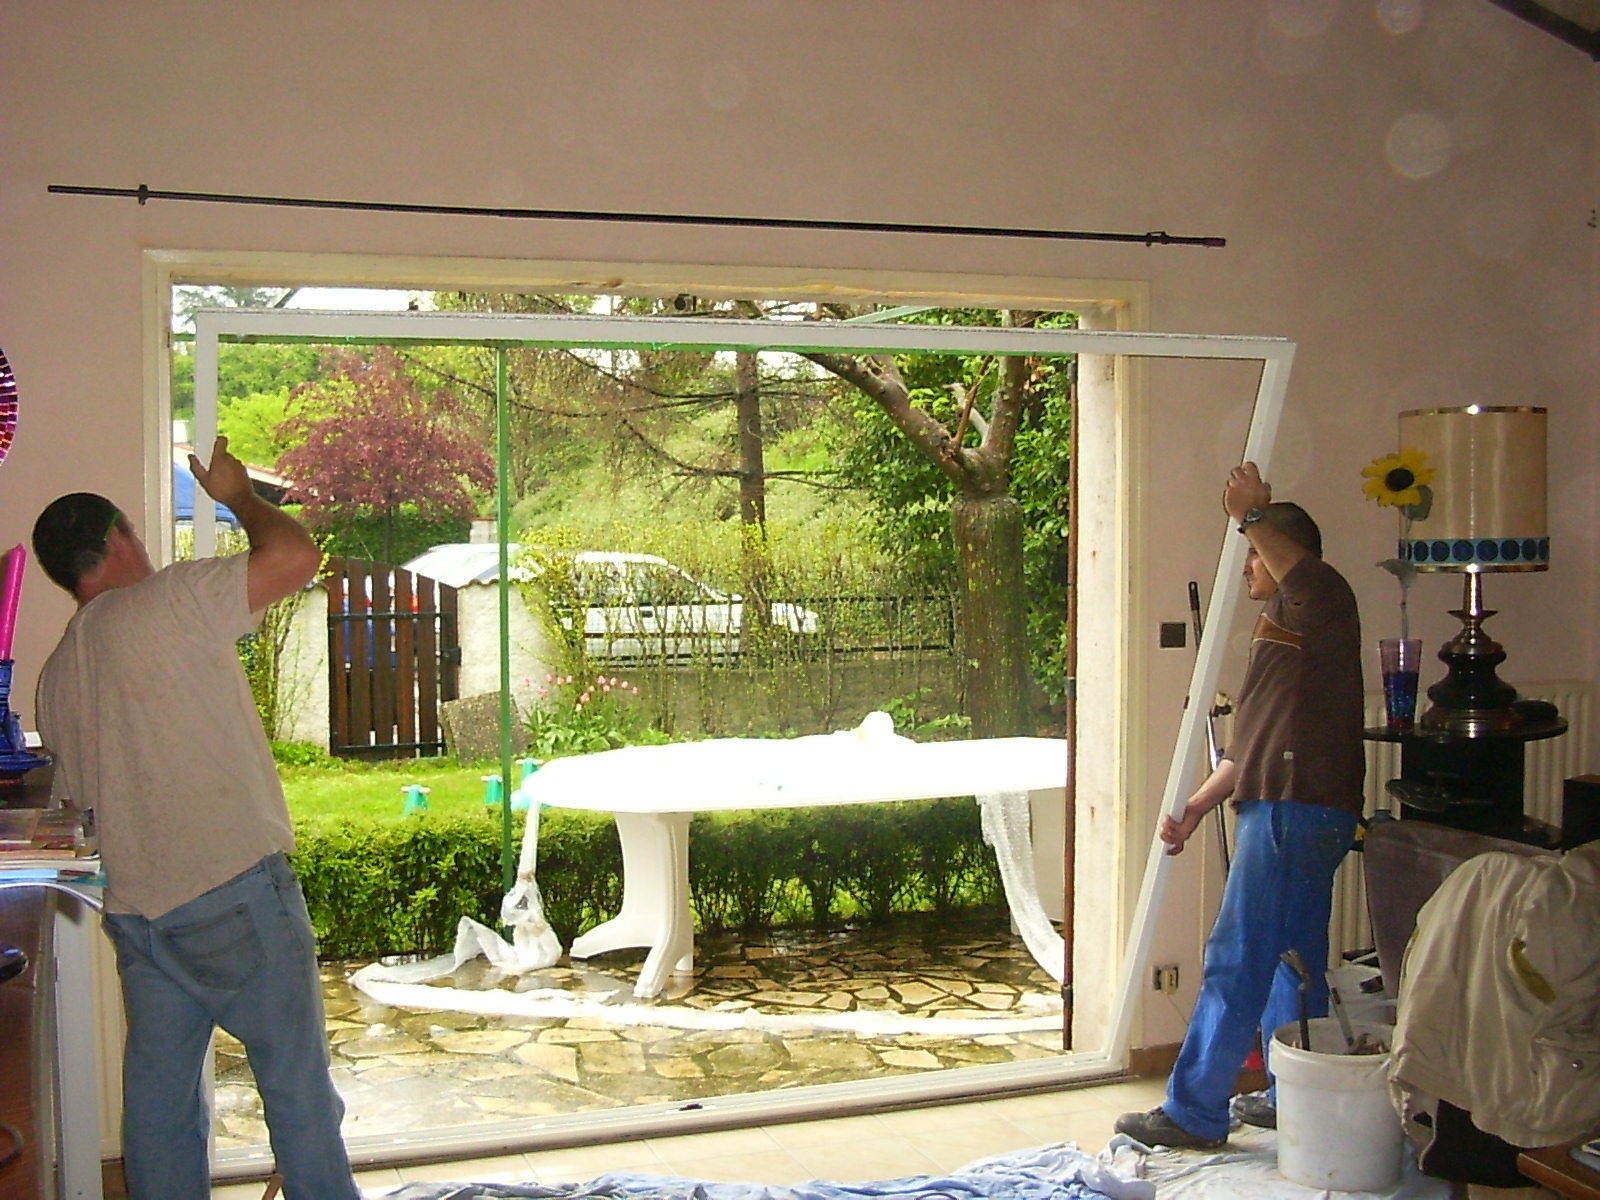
(1470, 278)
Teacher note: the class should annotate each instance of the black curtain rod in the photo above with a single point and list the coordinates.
(144, 194)
(1542, 16)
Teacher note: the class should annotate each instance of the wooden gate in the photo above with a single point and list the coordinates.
(394, 656)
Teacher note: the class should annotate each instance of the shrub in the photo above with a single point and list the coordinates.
(400, 888)
(300, 754)
(581, 716)
(378, 889)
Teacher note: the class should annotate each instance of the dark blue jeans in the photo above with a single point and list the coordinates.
(241, 956)
(1279, 896)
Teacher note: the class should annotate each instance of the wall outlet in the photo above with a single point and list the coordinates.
(1165, 979)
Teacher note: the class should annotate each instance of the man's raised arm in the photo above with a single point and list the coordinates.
(283, 558)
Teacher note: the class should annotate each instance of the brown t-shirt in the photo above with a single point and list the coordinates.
(1297, 736)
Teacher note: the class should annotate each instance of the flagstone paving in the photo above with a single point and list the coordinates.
(402, 1070)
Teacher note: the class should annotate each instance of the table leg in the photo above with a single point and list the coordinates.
(655, 900)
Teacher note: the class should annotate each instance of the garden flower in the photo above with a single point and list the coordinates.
(587, 719)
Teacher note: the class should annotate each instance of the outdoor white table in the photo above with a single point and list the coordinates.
(653, 791)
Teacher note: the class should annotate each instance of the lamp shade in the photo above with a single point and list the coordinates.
(1488, 484)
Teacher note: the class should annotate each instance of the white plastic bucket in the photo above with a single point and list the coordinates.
(1336, 1126)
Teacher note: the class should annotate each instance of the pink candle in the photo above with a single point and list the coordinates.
(10, 592)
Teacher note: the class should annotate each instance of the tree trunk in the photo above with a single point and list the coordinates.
(986, 523)
(992, 614)
(752, 454)
(752, 500)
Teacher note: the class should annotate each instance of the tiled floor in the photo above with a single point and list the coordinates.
(848, 1149)
(971, 992)
(941, 967)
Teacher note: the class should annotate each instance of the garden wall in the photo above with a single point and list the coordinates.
(690, 700)
(305, 658)
(735, 699)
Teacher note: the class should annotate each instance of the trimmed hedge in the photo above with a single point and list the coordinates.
(400, 888)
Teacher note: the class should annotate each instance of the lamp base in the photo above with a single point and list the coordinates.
(1471, 700)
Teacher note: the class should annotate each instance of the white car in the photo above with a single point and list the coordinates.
(637, 607)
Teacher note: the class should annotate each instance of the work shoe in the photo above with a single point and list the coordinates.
(1256, 1108)
(1155, 1128)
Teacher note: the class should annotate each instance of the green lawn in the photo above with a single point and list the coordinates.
(375, 792)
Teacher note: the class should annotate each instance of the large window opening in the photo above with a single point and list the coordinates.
(1108, 434)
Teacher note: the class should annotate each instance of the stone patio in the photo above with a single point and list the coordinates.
(403, 1070)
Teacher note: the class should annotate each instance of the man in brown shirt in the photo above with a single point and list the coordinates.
(1294, 771)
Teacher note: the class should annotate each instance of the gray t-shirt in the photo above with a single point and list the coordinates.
(147, 711)
(1297, 736)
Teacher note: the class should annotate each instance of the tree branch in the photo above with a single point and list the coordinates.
(877, 376)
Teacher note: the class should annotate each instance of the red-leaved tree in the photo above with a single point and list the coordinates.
(370, 442)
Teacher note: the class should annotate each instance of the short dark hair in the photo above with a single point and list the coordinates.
(1295, 521)
(69, 538)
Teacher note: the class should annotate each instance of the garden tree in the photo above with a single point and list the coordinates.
(545, 388)
(243, 369)
(188, 299)
(695, 418)
(373, 444)
(979, 430)
(709, 421)
(252, 425)
(752, 477)
(690, 414)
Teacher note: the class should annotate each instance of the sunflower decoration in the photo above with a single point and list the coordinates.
(1401, 481)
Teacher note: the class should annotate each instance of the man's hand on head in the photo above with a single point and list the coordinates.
(1245, 490)
(225, 479)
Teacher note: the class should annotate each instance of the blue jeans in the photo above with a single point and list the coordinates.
(1278, 897)
(241, 956)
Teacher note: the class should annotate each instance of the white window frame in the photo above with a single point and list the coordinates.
(1117, 353)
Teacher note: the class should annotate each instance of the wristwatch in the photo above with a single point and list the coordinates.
(1250, 517)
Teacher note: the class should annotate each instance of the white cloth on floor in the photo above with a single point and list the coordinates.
(1054, 1172)
(1247, 1169)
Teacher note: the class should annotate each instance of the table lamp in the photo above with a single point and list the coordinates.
(1487, 517)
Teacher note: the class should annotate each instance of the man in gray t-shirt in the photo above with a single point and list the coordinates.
(1294, 772)
(146, 709)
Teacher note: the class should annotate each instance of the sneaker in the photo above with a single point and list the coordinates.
(1155, 1128)
(1256, 1108)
